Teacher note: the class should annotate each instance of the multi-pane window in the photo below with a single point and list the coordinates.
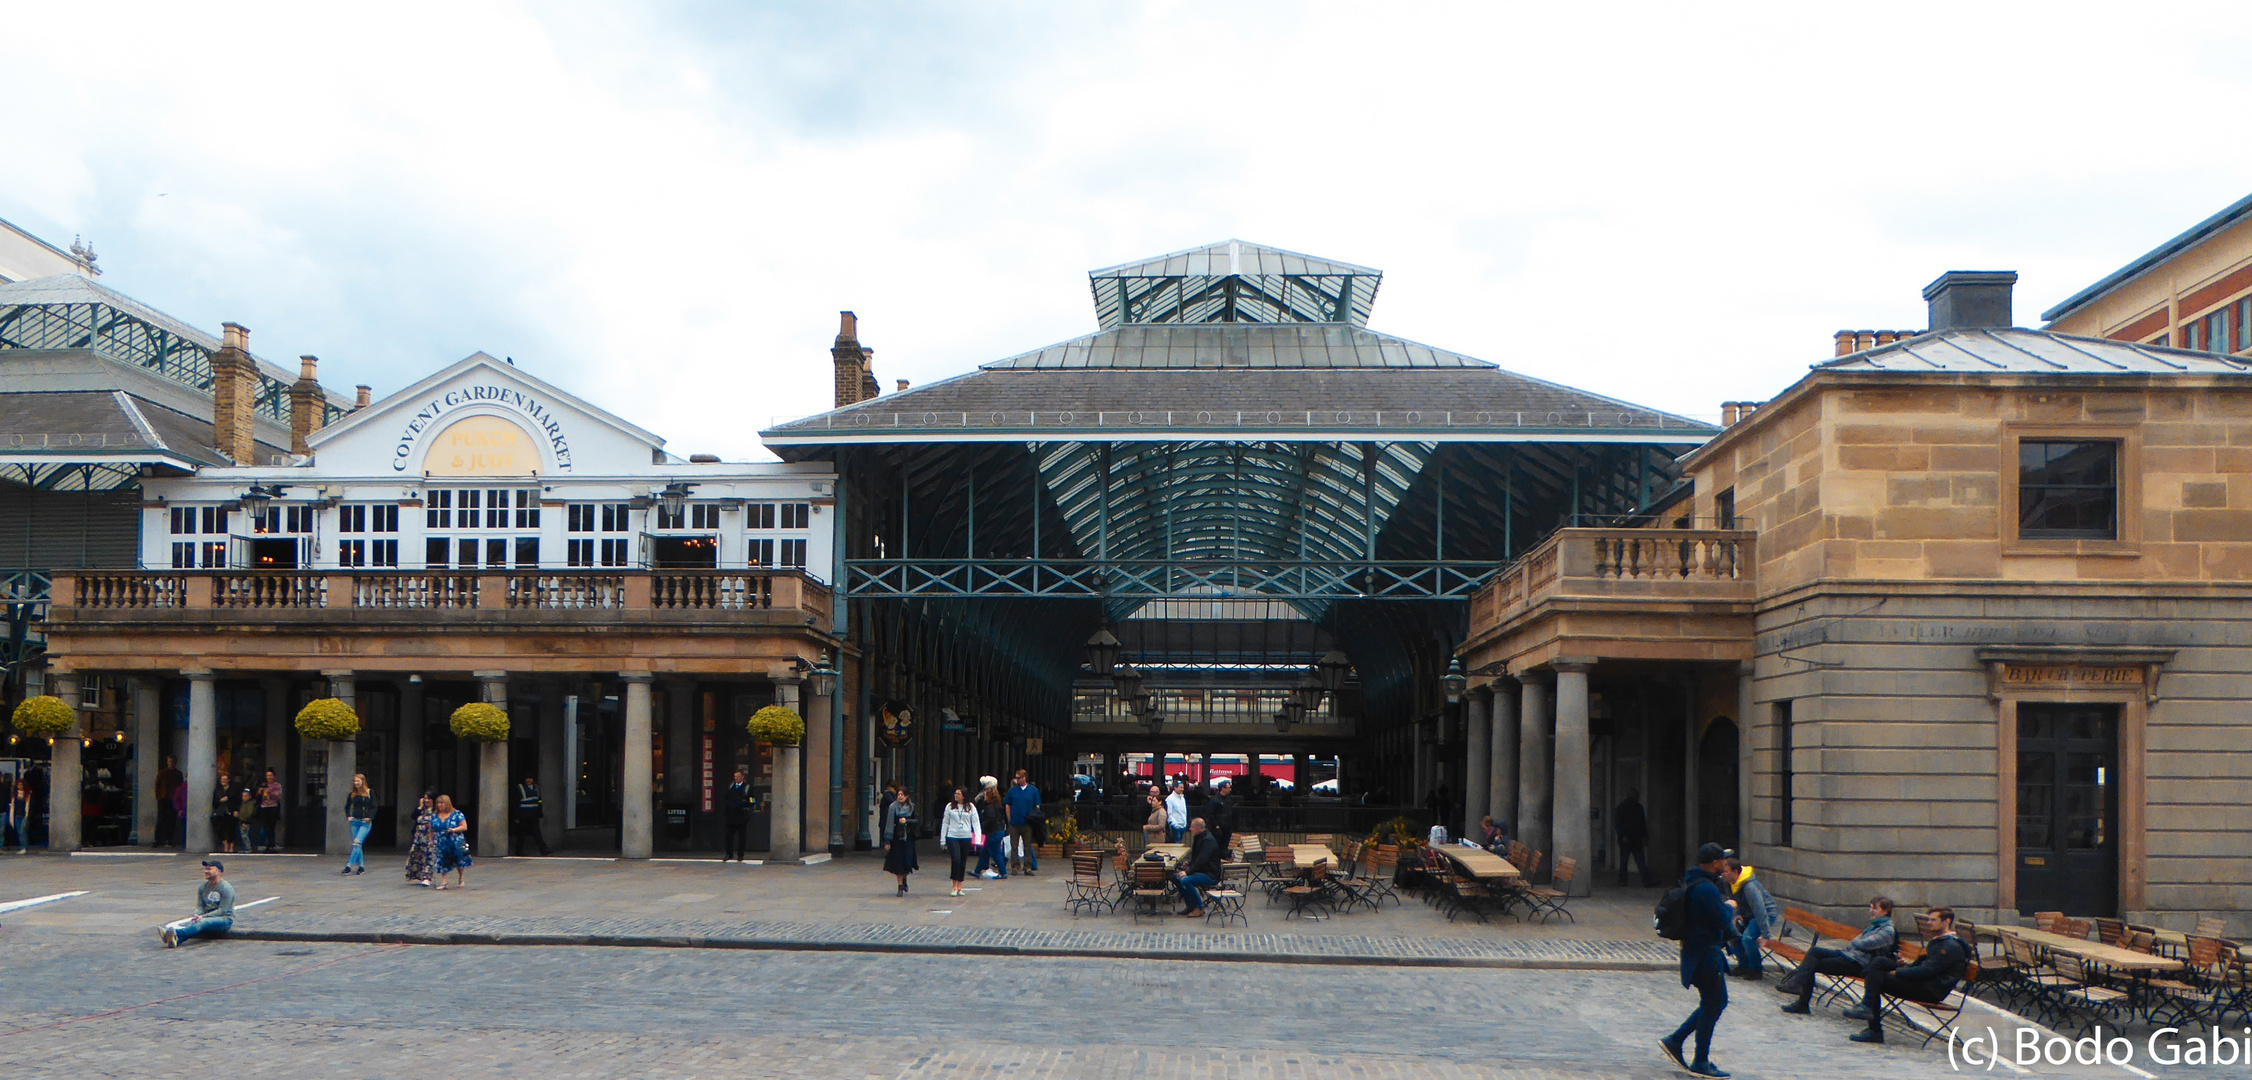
(199, 523)
(355, 547)
(758, 516)
(703, 515)
(281, 520)
(2244, 324)
(2068, 489)
(793, 553)
(584, 520)
(761, 552)
(484, 512)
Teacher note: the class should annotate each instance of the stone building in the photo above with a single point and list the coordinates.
(2192, 292)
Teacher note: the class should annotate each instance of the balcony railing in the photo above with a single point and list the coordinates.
(1645, 565)
(90, 592)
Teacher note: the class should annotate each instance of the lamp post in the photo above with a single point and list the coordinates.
(1129, 681)
(824, 678)
(1332, 668)
(1454, 681)
(1102, 652)
(1307, 694)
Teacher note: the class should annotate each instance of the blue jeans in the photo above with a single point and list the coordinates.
(1746, 947)
(1712, 999)
(992, 856)
(205, 926)
(360, 828)
(14, 832)
(1173, 832)
(1190, 886)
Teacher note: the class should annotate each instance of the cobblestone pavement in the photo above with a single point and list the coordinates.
(113, 1005)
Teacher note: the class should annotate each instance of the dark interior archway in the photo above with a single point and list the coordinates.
(1716, 783)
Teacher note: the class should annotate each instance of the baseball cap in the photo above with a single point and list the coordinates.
(1711, 853)
(216, 865)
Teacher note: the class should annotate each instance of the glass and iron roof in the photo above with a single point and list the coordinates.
(1234, 282)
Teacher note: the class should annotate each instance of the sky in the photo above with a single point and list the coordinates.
(661, 207)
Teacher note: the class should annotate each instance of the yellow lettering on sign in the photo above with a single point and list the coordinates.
(483, 446)
(2127, 675)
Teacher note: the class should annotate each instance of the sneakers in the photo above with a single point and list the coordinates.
(1868, 1035)
(990, 876)
(1797, 1008)
(346, 872)
(1672, 1052)
(1857, 1013)
(171, 939)
(1706, 1068)
(358, 870)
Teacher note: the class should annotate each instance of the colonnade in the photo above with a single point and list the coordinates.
(1528, 762)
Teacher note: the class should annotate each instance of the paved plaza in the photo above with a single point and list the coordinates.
(111, 1002)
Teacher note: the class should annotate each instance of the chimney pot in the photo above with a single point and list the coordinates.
(234, 336)
(1727, 414)
(1844, 342)
(306, 366)
(1971, 299)
(848, 326)
(364, 396)
(902, 386)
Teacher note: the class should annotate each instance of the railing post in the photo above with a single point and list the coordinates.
(62, 591)
(336, 591)
(638, 589)
(492, 591)
(200, 589)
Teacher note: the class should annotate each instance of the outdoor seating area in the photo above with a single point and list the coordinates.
(1313, 878)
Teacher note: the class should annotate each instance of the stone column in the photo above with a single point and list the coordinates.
(1536, 727)
(148, 757)
(492, 774)
(203, 756)
(1573, 827)
(1477, 783)
(785, 825)
(1503, 802)
(820, 807)
(411, 719)
(66, 801)
(343, 761)
(554, 761)
(636, 841)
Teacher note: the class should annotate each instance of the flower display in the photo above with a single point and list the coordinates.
(46, 716)
(328, 718)
(778, 725)
(481, 722)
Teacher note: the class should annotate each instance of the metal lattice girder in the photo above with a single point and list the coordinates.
(1137, 580)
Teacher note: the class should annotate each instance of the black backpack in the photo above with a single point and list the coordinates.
(1672, 915)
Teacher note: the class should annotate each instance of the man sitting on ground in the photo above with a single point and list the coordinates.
(215, 909)
(1928, 980)
(1878, 939)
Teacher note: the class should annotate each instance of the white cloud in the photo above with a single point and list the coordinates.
(664, 208)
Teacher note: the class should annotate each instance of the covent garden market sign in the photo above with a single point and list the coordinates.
(482, 444)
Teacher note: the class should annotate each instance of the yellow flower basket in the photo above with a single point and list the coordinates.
(481, 722)
(777, 725)
(44, 717)
(328, 718)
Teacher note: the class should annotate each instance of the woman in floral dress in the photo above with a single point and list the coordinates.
(423, 848)
(452, 832)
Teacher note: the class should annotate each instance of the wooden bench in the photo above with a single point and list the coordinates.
(1939, 1016)
(1815, 925)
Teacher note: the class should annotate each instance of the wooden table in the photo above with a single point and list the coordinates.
(1306, 855)
(2111, 956)
(1173, 852)
(1478, 862)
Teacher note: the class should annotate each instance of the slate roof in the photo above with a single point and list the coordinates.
(106, 423)
(2228, 216)
(2032, 352)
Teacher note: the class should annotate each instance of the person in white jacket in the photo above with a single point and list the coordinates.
(1176, 814)
(959, 829)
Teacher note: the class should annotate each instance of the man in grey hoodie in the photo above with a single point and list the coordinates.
(1876, 941)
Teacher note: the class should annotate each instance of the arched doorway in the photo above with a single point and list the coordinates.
(1716, 783)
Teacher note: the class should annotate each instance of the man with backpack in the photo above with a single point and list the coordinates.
(1698, 914)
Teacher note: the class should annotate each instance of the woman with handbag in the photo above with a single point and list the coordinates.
(899, 838)
(226, 814)
(422, 850)
(451, 829)
(963, 833)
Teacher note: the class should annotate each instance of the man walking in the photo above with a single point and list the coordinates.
(1930, 979)
(1176, 814)
(737, 804)
(168, 778)
(1632, 827)
(214, 905)
(1022, 802)
(1703, 966)
(1219, 814)
(1875, 941)
(524, 819)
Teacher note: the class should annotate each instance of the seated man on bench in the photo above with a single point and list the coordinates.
(1928, 980)
(1876, 941)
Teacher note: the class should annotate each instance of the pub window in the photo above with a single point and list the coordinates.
(578, 552)
(438, 513)
(578, 518)
(761, 553)
(436, 552)
(793, 553)
(703, 516)
(617, 518)
(361, 552)
(613, 552)
(351, 519)
(281, 520)
(496, 509)
(1724, 508)
(183, 556)
(383, 519)
(465, 553)
(758, 516)
(797, 515)
(527, 509)
(467, 501)
(383, 552)
(496, 552)
(351, 553)
(528, 551)
(1783, 775)
(2068, 489)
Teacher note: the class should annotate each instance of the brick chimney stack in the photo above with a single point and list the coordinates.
(305, 405)
(363, 397)
(856, 378)
(234, 396)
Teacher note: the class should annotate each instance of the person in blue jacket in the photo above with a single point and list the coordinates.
(1704, 966)
(1022, 801)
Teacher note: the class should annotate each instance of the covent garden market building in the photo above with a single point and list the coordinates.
(1231, 532)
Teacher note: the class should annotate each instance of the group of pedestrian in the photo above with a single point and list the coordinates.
(243, 818)
(439, 844)
(1001, 826)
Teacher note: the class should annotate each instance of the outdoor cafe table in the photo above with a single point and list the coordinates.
(2111, 956)
(1478, 862)
(1173, 853)
(1304, 856)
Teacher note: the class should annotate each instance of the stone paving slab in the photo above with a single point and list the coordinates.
(431, 929)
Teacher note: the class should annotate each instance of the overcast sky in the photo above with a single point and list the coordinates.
(662, 207)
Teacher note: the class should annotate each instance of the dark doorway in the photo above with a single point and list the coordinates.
(1716, 783)
(273, 554)
(2068, 809)
(685, 552)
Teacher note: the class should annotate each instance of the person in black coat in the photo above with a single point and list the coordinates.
(1201, 869)
(735, 807)
(1219, 814)
(1704, 965)
(524, 819)
(1632, 827)
(1930, 979)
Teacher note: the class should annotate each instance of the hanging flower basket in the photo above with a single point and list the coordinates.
(778, 725)
(328, 718)
(481, 722)
(44, 717)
